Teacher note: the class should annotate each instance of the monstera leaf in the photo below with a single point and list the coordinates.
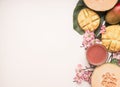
(80, 5)
(114, 61)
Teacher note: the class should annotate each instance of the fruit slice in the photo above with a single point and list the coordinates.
(113, 16)
(106, 43)
(96, 54)
(111, 38)
(88, 19)
(100, 5)
(117, 46)
(106, 75)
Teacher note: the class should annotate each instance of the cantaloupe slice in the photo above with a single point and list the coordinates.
(100, 5)
(106, 75)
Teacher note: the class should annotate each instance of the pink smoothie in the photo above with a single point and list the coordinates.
(96, 54)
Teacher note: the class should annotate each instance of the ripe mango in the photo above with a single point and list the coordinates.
(113, 16)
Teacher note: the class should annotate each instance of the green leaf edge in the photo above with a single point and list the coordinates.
(114, 61)
(80, 5)
(76, 26)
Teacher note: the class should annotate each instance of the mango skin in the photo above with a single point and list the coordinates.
(113, 16)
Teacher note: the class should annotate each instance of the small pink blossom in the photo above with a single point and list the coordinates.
(79, 67)
(87, 75)
(77, 79)
(89, 39)
(116, 55)
(89, 35)
(102, 30)
(82, 75)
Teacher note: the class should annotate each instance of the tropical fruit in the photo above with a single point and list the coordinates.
(111, 38)
(113, 16)
(106, 75)
(100, 5)
(88, 19)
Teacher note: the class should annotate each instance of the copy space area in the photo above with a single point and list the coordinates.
(38, 46)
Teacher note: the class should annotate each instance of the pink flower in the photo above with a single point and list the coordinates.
(102, 30)
(82, 75)
(77, 79)
(87, 75)
(89, 39)
(89, 35)
(116, 55)
(79, 68)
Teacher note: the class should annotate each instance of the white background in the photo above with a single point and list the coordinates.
(38, 46)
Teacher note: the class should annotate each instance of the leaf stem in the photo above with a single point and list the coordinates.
(109, 59)
(100, 29)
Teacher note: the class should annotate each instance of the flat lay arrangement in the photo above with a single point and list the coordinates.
(98, 21)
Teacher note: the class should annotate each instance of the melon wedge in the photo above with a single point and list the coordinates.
(106, 75)
(100, 5)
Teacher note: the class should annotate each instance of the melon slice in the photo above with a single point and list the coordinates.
(106, 75)
(100, 5)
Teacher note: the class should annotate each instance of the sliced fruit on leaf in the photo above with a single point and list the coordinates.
(80, 5)
(88, 19)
